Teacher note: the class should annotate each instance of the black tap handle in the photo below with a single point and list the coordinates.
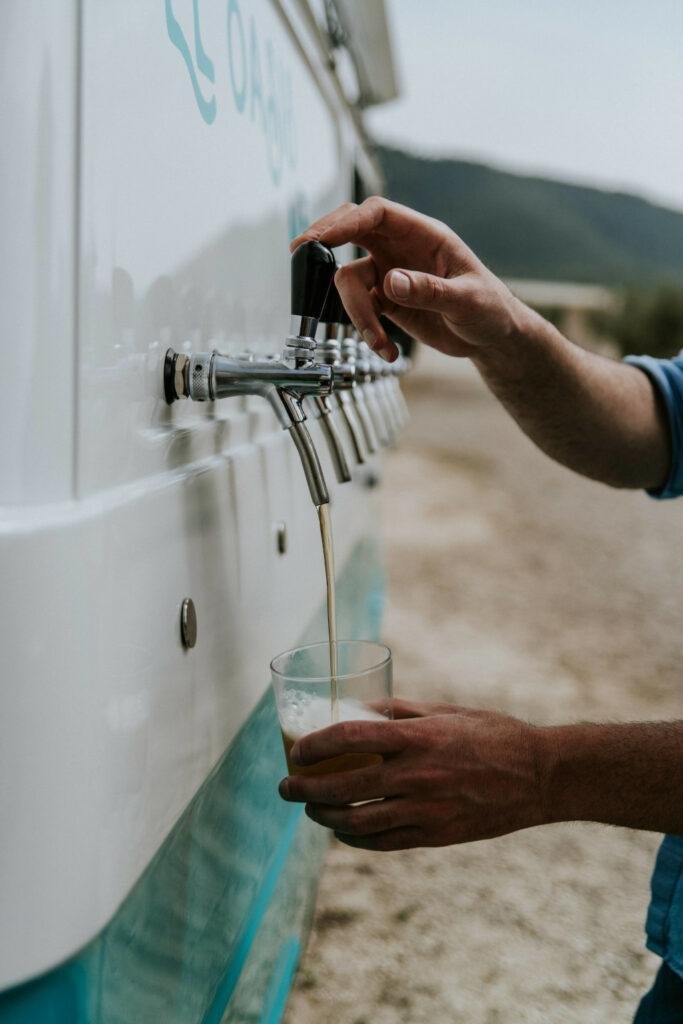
(313, 268)
(334, 312)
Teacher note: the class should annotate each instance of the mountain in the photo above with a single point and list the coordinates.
(528, 227)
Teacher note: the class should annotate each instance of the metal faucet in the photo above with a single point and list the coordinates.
(392, 371)
(330, 353)
(323, 406)
(398, 368)
(367, 372)
(384, 382)
(349, 353)
(284, 382)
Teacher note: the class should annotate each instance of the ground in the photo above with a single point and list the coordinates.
(514, 584)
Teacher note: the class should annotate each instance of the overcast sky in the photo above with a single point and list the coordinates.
(583, 90)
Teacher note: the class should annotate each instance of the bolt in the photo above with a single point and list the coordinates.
(188, 623)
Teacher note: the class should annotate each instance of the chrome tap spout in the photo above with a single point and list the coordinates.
(349, 348)
(325, 409)
(330, 352)
(209, 376)
(374, 405)
(344, 377)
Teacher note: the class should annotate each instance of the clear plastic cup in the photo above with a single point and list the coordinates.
(303, 691)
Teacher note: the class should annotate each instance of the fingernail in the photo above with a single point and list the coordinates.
(387, 352)
(284, 789)
(370, 337)
(400, 284)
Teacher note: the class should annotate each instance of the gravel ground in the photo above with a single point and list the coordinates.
(516, 585)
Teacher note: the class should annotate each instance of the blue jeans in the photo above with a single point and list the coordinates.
(663, 1004)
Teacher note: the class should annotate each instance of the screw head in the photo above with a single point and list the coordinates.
(188, 623)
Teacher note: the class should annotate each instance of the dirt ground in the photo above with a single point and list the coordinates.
(516, 585)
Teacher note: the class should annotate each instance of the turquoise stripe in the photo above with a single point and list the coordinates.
(281, 981)
(241, 951)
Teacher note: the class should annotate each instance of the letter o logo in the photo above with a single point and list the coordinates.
(239, 94)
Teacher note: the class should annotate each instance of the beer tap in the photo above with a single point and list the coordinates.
(304, 264)
(385, 386)
(368, 375)
(349, 354)
(329, 351)
(400, 365)
(283, 382)
(398, 368)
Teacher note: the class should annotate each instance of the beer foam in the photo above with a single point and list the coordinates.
(301, 713)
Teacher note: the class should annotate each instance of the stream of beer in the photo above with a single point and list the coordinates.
(328, 555)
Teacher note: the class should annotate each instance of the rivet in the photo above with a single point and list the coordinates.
(281, 533)
(188, 623)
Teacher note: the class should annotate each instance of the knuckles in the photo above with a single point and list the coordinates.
(351, 732)
(344, 275)
(339, 793)
(376, 204)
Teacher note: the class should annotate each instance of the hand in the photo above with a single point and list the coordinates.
(449, 775)
(419, 274)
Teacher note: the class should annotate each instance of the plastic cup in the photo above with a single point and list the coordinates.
(304, 695)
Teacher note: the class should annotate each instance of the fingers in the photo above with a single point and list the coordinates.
(357, 285)
(393, 839)
(348, 223)
(378, 218)
(347, 738)
(319, 227)
(338, 788)
(366, 819)
(422, 291)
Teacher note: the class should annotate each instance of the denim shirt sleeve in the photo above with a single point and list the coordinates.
(667, 377)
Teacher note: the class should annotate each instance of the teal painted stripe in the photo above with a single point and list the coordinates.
(281, 981)
(229, 980)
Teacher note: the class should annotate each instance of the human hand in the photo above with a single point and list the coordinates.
(421, 275)
(449, 775)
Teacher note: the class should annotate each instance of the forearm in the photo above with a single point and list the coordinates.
(626, 774)
(596, 416)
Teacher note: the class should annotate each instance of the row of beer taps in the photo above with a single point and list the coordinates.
(338, 373)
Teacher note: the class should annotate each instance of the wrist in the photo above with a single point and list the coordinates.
(517, 331)
(547, 759)
(579, 765)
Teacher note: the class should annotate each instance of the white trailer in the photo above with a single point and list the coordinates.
(157, 157)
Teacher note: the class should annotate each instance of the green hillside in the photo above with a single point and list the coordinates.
(535, 228)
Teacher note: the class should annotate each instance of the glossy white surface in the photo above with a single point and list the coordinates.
(186, 224)
(107, 725)
(38, 74)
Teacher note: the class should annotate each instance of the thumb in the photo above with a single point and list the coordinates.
(421, 291)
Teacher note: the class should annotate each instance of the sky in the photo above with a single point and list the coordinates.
(582, 90)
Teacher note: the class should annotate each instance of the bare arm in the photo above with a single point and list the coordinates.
(596, 416)
(627, 774)
(453, 775)
(599, 417)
